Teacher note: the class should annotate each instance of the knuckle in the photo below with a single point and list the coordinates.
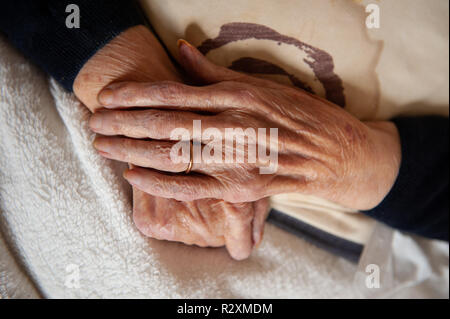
(125, 93)
(168, 90)
(151, 115)
(155, 227)
(163, 229)
(237, 197)
(183, 192)
(253, 191)
(118, 118)
(123, 122)
(157, 187)
(142, 223)
(243, 94)
(155, 122)
(243, 90)
(127, 144)
(242, 215)
(148, 116)
(127, 149)
(163, 153)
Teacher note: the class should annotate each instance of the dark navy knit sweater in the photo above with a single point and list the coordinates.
(418, 202)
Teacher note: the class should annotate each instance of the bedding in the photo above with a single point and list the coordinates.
(14, 281)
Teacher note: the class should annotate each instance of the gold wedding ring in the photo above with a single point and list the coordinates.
(191, 159)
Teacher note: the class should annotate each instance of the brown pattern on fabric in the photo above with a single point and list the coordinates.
(318, 60)
(252, 65)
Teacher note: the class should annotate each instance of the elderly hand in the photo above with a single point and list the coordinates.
(136, 55)
(322, 149)
(205, 223)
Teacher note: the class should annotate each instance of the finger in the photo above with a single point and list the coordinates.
(261, 208)
(180, 187)
(153, 154)
(155, 124)
(168, 219)
(238, 230)
(145, 213)
(167, 95)
(200, 68)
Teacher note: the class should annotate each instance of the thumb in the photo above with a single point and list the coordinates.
(206, 72)
(200, 68)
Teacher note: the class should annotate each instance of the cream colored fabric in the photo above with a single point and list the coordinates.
(400, 68)
(14, 282)
(408, 266)
(326, 216)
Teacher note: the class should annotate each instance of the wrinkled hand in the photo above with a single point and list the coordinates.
(205, 223)
(322, 149)
(136, 55)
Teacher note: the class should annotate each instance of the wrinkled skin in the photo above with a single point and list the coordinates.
(206, 223)
(135, 55)
(322, 149)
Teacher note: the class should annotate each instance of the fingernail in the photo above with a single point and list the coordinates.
(95, 123)
(103, 145)
(105, 97)
(181, 42)
(98, 145)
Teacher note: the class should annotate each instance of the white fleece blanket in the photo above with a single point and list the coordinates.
(67, 214)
